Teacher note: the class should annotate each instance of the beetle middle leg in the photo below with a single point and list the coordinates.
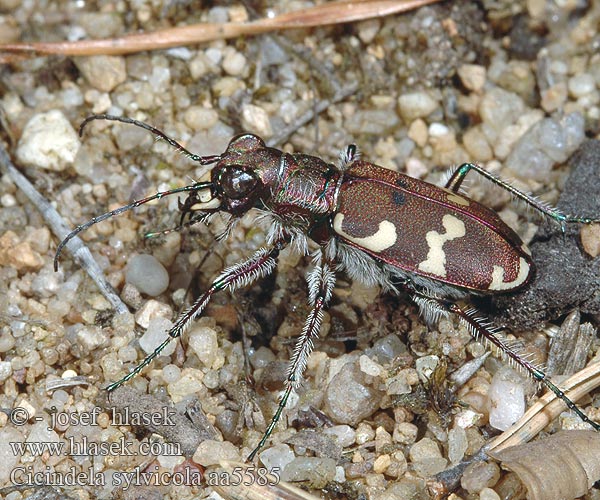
(321, 282)
(480, 328)
(458, 176)
(263, 262)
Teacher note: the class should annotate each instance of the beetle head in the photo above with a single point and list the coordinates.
(239, 180)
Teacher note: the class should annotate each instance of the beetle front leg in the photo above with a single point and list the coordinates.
(321, 282)
(260, 264)
(458, 176)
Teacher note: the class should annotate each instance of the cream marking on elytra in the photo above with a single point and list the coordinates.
(498, 282)
(384, 238)
(459, 200)
(436, 257)
(525, 248)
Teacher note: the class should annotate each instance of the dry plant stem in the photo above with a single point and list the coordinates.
(302, 120)
(543, 412)
(321, 15)
(546, 409)
(76, 246)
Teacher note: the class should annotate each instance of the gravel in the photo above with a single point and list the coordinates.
(512, 85)
(147, 274)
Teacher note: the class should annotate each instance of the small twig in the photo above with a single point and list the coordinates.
(546, 409)
(321, 106)
(77, 248)
(320, 15)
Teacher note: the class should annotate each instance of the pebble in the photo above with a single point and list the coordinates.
(457, 444)
(131, 296)
(499, 109)
(102, 72)
(369, 367)
(416, 168)
(517, 77)
(348, 399)
(5, 370)
(147, 274)
(416, 105)
(488, 494)
(480, 475)
(90, 337)
(506, 399)
(189, 383)
(200, 118)
(127, 354)
(364, 433)
(406, 488)
(262, 357)
(554, 97)
(255, 119)
(150, 310)
(128, 138)
(472, 76)
(171, 373)
(386, 349)
(476, 144)
(203, 341)
(8, 200)
(405, 433)
(548, 142)
(41, 434)
(371, 121)
(382, 462)
(234, 62)
(100, 24)
(160, 79)
(48, 141)
(590, 239)
(318, 471)
(155, 334)
(277, 456)
(509, 136)
(399, 383)
(18, 255)
(367, 30)
(581, 85)
(344, 435)
(418, 132)
(211, 452)
(399, 465)
(426, 457)
(8, 459)
(425, 367)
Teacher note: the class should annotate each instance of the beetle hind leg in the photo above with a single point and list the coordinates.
(479, 328)
(321, 282)
(458, 176)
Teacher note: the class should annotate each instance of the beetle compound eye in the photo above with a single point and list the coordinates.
(237, 182)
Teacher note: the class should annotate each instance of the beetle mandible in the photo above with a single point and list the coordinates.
(380, 227)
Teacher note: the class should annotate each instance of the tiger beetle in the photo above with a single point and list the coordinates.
(379, 226)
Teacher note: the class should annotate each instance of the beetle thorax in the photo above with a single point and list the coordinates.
(306, 186)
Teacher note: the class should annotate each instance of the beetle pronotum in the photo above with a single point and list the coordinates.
(379, 226)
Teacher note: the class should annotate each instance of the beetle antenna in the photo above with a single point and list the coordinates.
(203, 160)
(185, 189)
(204, 217)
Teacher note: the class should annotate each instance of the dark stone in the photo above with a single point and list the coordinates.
(566, 278)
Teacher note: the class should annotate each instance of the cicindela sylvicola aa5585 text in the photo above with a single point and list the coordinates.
(378, 226)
